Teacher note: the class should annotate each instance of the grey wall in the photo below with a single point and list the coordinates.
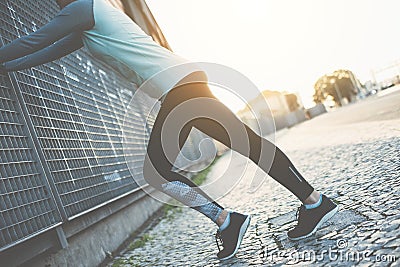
(316, 110)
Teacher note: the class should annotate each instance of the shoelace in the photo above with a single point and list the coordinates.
(218, 236)
(298, 214)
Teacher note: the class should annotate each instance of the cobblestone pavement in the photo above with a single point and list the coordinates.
(357, 163)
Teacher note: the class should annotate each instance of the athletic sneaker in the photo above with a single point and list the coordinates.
(231, 237)
(309, 220)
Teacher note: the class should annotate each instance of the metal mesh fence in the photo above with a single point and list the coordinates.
(72, 131)
(26, 204)
(77, 111)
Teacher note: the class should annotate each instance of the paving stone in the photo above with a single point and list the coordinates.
(363, 233)
(384, 240)
(390, 227)
(373, 215)
(394, 243)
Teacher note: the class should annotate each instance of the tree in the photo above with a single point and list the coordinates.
(319, 96)
(340, 84)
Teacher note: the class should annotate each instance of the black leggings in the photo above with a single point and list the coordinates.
(158, 166)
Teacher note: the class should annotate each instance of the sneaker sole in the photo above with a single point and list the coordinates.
(321, 222)
(242, 232)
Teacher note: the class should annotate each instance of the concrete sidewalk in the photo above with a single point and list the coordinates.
(352, 155)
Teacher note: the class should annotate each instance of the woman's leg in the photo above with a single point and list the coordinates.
(158, 167)
(158, 170)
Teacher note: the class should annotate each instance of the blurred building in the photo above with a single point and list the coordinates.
(273, 110)
(386, 76)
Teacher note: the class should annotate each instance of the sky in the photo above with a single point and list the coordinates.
(284, 45)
